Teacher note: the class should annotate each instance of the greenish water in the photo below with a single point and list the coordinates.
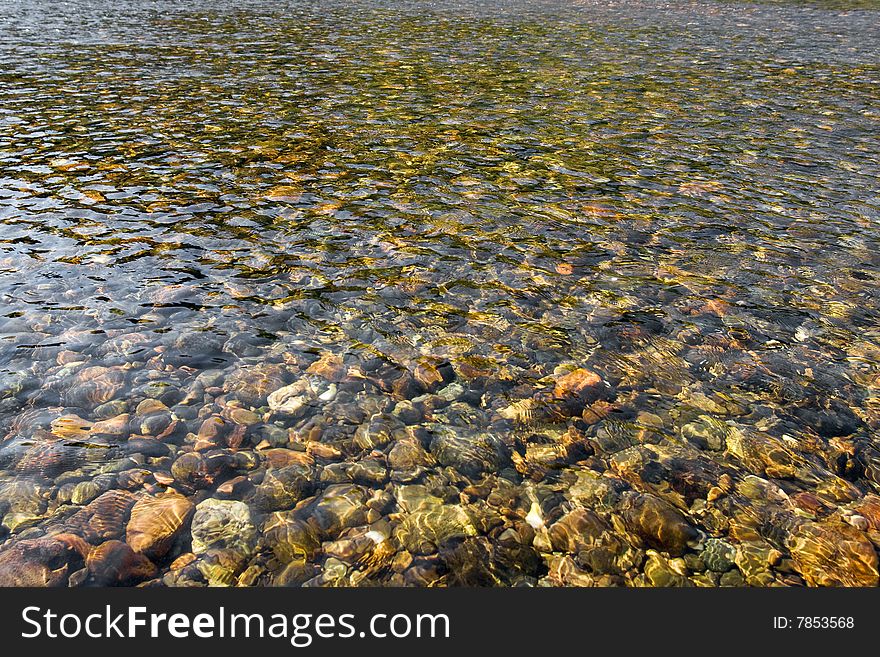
(398, 293)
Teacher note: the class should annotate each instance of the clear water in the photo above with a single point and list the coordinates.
(452, 205)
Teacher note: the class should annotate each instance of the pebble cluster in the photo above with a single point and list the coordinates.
(320, 469)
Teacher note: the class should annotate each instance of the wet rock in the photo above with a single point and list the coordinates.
(469, 563)
(49, 456)
(47, 561)
(104, 518)
(223, 524)
(156, 522)
(433, 373)
(196, 471)
(329, 366)
(830, 419)
(706, 432)
(86, 491)
(290, 538)
(378, 432)
(578, 389)
(111, 409)
(578, 529)
(114, 563)
(275, 436)
(718, 555)
(362, 546)
(293, 399)
(869, 509)
(93, 386)
(152, 418)
(754, 561)
(368, 472)
(422, 532)
(195, 349)
(253, 384)
(296, 573)
(408, 455)
(659, 524)
(660, 574)
(212, 432)
(406, 387)
(513, 554)
(280, 457)
(416, 497)
(469, 453)
(22, 503)
(236, 488)
(71, 427)
(220, 567)
(563, 571)
(115, 427)
(409, 413)
(339, 507)
(283, 487)
(833, 554)
(592, 490)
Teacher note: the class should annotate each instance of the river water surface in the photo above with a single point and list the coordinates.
(400, 293)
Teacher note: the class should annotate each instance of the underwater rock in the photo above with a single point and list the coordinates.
(296, 573)
(220, 567)
(370, 472)
(659, 572)
(706, 432)
(196, 471)
(578, 383)
(290, 538)
(85, 491)
(253, 384)
(47, 561)
(93, 386)
(49, 456)
(658, 523)
(433, 373)
(833, 554)
(362, 546)
(223, 524)
(469, 453)
(377, 432)
(152, 418)
(339, 507)
(423, 532)
(104, 518)
(513, 554)
(578, 389)
(291, 400)
(833, 418)
(22, 503)
(469, 563)
(329, 366)
(576, 530)
(408, 455)
(283, 487)
(115, 427)
(156, 522)
(718, 555)
(114, 563)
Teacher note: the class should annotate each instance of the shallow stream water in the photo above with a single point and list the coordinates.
(401, 293)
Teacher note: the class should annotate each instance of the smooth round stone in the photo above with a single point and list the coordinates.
(223, 524)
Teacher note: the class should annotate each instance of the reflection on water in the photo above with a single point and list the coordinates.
(538, 293)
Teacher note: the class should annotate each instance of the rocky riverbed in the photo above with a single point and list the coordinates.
(505, 294)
